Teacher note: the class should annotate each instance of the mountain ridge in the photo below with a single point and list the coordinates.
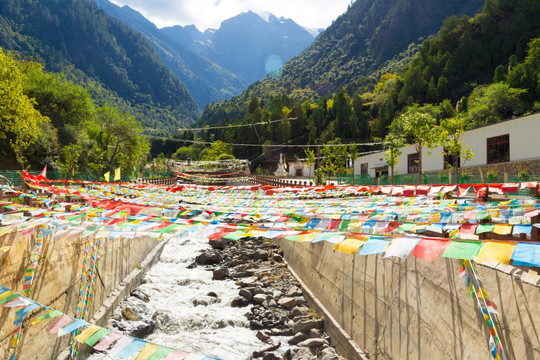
(71, 36)
(213, 64)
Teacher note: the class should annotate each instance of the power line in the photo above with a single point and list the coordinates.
(236, 126)
(283, 145)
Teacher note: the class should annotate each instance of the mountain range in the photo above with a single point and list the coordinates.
(219, 63)
(350, 54)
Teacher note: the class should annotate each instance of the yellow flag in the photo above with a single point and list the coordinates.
(107, 176)
(117, 174)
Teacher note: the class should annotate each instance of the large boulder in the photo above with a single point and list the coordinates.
(220, 273)
(304, 325)
(209, 257)
(219, 244)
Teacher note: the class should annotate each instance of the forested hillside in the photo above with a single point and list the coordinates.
(48, 120)
(350, 51)
(205, 80)
(77, 38)
(478, 70)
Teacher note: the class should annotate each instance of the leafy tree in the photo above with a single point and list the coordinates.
(184, 153)
(393, 143)
(68, 106)
(451, 133)
(310, 159)
(387, 113)
(215, 150)
(418, 129)
(18, 117)
(117, 141)
(527, 74)
(493, 104)
(71, 154)
(333, 159)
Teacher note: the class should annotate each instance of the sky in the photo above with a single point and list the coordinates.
(206, 14)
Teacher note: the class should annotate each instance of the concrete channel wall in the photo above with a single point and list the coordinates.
(57, 282)
(416, 309)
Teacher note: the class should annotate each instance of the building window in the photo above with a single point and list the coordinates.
(498, 149)
(412, 163)
(363, 169)
(451, 161)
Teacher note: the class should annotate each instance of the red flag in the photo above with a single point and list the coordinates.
(43, 173)
(430, 249)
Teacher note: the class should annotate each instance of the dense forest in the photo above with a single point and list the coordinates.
(48, 120)
(116, 63)
(484, 69)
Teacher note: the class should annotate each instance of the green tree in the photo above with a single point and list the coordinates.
(418, 128)
(310, 159)
(451, 133)
(18, 117)
(185, 152)
(71, 154)
(333, 159)
(393, 143)
(215, 150)
(493, 104)
(117, 141)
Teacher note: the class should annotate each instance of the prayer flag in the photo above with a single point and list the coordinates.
(147, 351)
(485, 228)
(43, 173)
(117, 174)
(76, 324)
(496, 251)
(401, 247)
(135, 346)
(177, 355)
(522, 229)
(98, 335)
(430, 249)
(462, 249)
(160, 353)
(374, 246)
(106, 342)
(107, 176)
(60, 323)
(350, 245)
(51, 314)
(526, 254)
(502, 229)
(468, 228)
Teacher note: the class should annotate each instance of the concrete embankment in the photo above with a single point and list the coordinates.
(58, 278)
(416, 309)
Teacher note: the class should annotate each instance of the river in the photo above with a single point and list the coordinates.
(188, 318)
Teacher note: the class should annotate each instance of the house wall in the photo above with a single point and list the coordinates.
(305, 169)
(524, 146)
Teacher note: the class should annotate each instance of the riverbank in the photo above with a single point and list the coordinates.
(230, 300)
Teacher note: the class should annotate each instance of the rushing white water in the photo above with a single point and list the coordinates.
(188, 318)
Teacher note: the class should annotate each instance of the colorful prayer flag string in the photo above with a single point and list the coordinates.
(487, 307)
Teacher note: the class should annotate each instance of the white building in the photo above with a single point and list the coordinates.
(299, 169)
(494, 145)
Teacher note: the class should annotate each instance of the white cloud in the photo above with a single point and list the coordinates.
(210, 13)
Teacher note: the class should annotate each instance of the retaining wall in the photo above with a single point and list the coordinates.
(416, 309)
(57, 282)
